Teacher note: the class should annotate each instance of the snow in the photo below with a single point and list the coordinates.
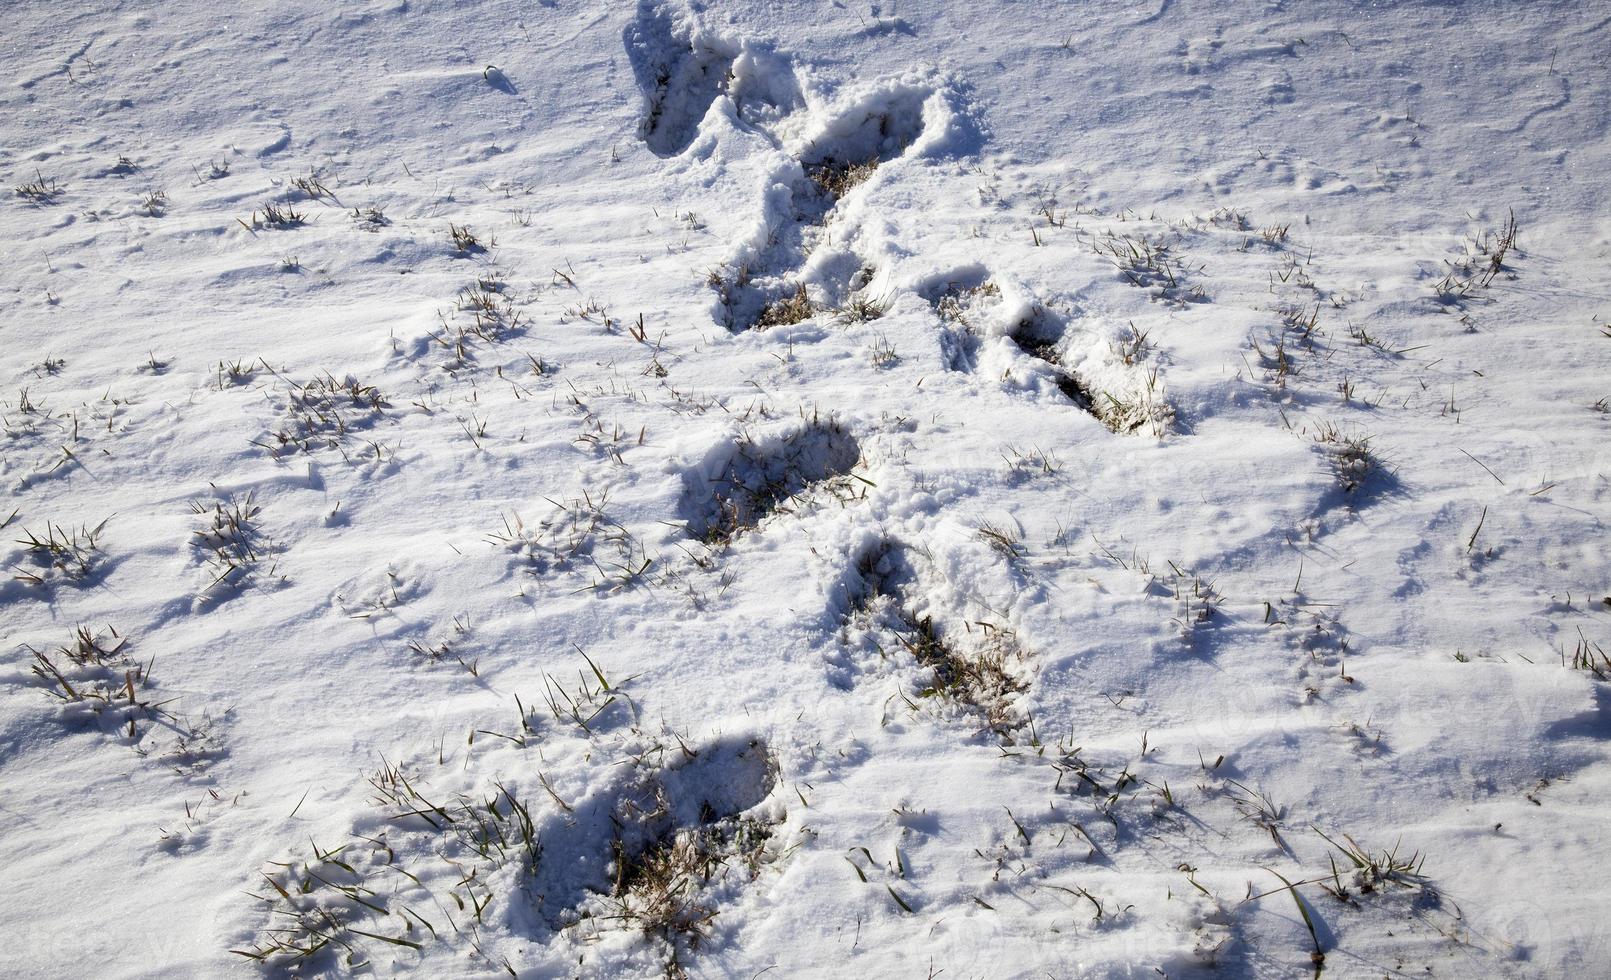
(999, 489)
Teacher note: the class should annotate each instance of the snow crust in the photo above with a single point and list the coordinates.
(805, 489)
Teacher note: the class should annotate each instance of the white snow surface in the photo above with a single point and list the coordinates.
(1176, 485)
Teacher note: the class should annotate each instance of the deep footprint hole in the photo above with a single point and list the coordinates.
(680, 77)
(1040, 335)
(647, 842)
(762, 477)
(974, 667)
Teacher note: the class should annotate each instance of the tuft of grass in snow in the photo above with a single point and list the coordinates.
(40, 190)
(231, 374)
(1002, 539)
(332, 909)
(958, 304)
(1475, 271)
(1373, 871)
(1033, 461)
(1196, 600)
(278, 216)
(724, 281)
(1301, 324)
(1277, 363)
(861, 309)
(579, 535)
(1589, 656)
(590, 701)
(836, 178)
(882, 353)
(443, 649)
(1150, 264)
(323, 413)
(1352, 460)
(466, 241)
(1138, 406)
(795, 307)
(231, 543)
(491, 310)
(484, 315)
(94, 678)
(312, 187)
(59, 554)
(370, 219)
(1131, 347)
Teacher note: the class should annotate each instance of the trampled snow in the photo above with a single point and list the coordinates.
(805, 489)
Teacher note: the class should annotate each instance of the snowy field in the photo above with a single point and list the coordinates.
(805, 489)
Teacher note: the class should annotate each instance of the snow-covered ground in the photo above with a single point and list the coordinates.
(805, 488)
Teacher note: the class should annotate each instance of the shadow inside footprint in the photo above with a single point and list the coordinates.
(604, 836)
(680, 76)
(758, 478)
(850, 148)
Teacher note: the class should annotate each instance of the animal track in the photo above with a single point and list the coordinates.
(882, 127)
(680, 72)
(772, 285)
(971, 307)
(646, 850)
(968, 299)
(1122, 392)
(1039, 335)
(760, 477)
(888, 601)
(610, 833)
(959, 300)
